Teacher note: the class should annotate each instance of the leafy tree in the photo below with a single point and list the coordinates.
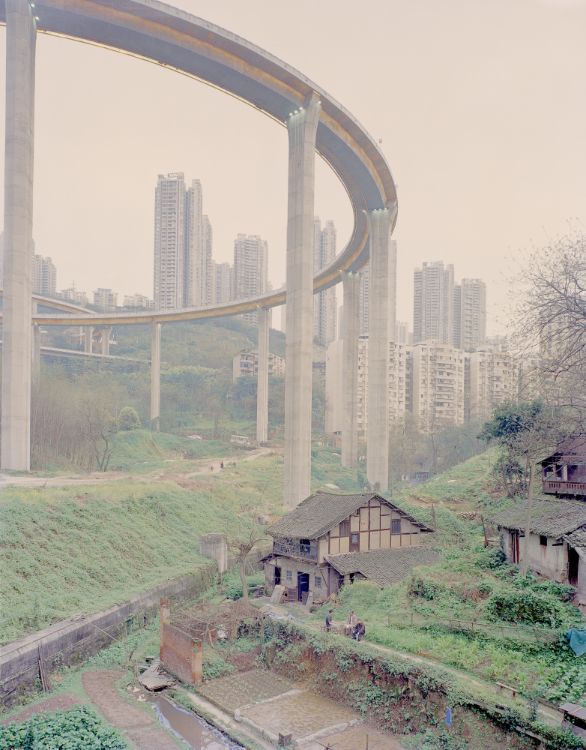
(524, 432)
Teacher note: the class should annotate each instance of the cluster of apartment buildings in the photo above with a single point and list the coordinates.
(445, 373)
(185, 273)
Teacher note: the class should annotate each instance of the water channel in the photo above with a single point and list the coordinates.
(197, 733)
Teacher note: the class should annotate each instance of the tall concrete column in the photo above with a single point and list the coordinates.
(18, 235)
(262, 382)
(155, 376)
(36, 355)
(351, 330)
(88, 339)
(302, 127)
(380, 222)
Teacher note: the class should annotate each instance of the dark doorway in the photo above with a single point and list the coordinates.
(277, 576)
(302, 586)
(515, 546)
(573, 564)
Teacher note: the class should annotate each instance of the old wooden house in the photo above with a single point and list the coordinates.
(564, 472)
(557, 540)
(330, 539)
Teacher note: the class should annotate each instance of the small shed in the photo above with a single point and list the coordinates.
(574, 719)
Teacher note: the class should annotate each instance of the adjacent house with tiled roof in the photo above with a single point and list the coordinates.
(557, 540)
(331, 538)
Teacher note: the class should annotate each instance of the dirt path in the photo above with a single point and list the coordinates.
(61, 702)
(203, 467)
(139, 727)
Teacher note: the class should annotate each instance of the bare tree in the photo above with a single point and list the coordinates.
(242, 546)
(98, 426)
(550, 322)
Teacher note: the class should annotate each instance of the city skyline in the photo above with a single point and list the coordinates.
(433, 163)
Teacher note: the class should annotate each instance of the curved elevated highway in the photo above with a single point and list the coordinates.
(315, 121)
(181, 41)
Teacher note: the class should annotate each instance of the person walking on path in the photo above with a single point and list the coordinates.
(329, 620)
(359, 631)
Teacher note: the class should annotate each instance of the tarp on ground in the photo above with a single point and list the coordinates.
(577, 641)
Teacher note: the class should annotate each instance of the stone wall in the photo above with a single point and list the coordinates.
(73, 640)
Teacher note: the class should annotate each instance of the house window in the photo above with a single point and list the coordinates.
(304, 546)
(396, 526)
(543, 540)
(345, 528)
(318, 582)
(289, 576)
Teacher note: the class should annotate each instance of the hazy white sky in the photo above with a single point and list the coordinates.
(479, 104)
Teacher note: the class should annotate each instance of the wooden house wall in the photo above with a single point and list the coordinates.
(374, 525)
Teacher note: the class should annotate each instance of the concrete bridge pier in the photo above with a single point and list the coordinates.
(380, 223)
(302, 127)
(155, 376)
(88, 339)
(351, 325)
(105, 334)
(18, 235)
(262, 383)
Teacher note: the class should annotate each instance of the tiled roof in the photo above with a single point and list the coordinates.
(383, 566)
(577, 538)
(551, 518)
(318, 513)
(572, 449)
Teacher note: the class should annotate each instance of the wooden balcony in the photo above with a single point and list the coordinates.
(558, 487)
(294, 548)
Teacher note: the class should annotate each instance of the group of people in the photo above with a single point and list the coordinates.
(354, 627)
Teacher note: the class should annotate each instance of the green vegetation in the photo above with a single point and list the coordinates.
(402, 695)
(453, 613)
(465, 486)
(143, 450)
(77, 728)
(82, 548)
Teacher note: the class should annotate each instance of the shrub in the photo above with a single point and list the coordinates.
(524, 607)
(78, 728)
(363, 594)
(424, 588)
(232, 586)
(561, 591)
(128, 419)
(215, 666)
(491, 558)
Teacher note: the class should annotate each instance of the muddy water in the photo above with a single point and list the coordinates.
(196, 732)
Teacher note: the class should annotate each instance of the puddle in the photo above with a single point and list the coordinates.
(197, 733)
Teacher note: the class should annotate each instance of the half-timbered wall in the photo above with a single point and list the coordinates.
(373, 526)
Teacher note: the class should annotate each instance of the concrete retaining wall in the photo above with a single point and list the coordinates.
(73, 640)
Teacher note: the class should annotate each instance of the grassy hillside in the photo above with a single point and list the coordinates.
(143, 450)
(78, 549)
(465, 486)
